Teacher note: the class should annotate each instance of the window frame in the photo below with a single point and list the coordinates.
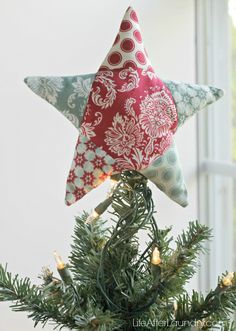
(215, 168)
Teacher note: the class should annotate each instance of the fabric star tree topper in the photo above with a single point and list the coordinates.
(126, 116)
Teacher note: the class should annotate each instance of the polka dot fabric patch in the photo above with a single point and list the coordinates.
(128, 45)
(166, 173)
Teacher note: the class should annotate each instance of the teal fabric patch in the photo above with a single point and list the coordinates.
(190, 98)
(68, 94)
(166, 173)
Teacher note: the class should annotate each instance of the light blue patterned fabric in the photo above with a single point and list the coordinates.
(166, 173)
(68, 94)
(190, 98)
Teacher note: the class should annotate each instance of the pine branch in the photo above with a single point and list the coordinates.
(217, 307)
(117, 275)
(113, 282)
(88, 242)
(181, 265)
(174, 271)
(229, 325)
(29, 298)
(53, 303)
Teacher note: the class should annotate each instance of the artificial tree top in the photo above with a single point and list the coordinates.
(111, 283)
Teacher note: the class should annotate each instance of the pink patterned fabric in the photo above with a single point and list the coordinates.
(130, 116)
(90, 167)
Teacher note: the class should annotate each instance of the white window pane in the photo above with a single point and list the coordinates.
(232, 13)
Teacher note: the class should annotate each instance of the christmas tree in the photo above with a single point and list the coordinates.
(110, 283)
(126, 118)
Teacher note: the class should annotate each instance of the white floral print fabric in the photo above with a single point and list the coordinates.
(68, 94)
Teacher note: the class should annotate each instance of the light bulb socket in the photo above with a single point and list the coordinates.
(65, 275)
(102, 207)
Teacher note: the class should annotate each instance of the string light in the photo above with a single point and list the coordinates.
(156, 260)
(227, 280)
(62, 269)
(113, 183)
(102, 207)
(59, 262)
(92, 217)
(175, 307)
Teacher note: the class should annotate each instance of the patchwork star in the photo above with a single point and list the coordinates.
(126, 117)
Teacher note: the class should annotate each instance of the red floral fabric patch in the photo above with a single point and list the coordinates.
(131, 115)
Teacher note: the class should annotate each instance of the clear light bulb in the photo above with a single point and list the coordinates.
(92, 217)
(58, 259)
(156, 260)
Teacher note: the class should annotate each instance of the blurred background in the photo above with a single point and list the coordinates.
(187, 40)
